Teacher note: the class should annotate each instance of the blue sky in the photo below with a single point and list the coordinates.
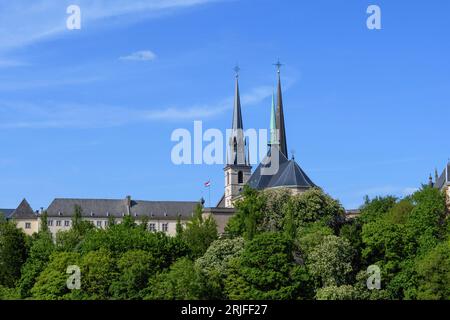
(83, 114)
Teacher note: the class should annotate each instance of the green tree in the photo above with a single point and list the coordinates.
(314, 205)
(51, 284)
(71, 239)
(44, 221)
(311, 235)
(199, 233)
(98, 272)
(266, 270)
(352, 232)
(179, 227)
(249, 214)
(9, 293)
(13, 253)
(135, 267)
(274, 213)
(433, 271)
(330, 261)
(144, 223)
(183, 281)
(121, 238)
(345, 292)
(215, 263)
(40, 251)
(376, 208)
(426, 222)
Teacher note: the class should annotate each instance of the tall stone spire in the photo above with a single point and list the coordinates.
(236, 151)
(280, 115)
(237, 113)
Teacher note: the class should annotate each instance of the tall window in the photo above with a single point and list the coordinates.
(240, 177)
(165, 227)
(152, 227)
(228, 178)
(66, 223)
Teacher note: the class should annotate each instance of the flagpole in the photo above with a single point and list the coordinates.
(209, 193)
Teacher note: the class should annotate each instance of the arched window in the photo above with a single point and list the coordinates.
(240, 177)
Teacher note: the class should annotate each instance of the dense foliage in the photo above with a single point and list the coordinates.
(276, 246)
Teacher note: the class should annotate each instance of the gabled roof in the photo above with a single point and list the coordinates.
(118, 208)
(6, 213)
(23, 211)
(289, 174)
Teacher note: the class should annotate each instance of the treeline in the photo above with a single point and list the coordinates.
(277, 246)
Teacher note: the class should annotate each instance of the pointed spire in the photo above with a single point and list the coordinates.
(280, 115)
(237, 113)
(236, 152)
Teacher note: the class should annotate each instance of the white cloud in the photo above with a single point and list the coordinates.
(388, 190)
(5, 63)
(23, 22)
(145, 55)
(56, 115)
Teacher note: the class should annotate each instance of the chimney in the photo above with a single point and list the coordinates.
(128, 204)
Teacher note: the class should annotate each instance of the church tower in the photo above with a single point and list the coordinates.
(238, 169)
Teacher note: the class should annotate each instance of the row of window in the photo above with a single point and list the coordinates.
(99, 223)
(59, 223)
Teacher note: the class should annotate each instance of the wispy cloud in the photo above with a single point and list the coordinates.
(5, 63)
(22, 115)
(23, 22)
(388, 190)
(144, 55)
(47, 83)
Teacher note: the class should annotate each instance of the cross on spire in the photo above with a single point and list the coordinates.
(278, 64)
(237, 69)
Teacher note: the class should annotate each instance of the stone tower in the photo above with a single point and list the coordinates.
(238, 169)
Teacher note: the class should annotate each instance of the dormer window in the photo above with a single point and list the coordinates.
(59, 213)
(92, 214)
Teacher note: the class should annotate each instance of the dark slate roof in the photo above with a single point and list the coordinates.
(118, 208)
(6, 213)
(289, 174)
(443, 178)
(23, 211)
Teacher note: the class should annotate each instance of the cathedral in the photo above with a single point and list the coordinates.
(276, 170)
